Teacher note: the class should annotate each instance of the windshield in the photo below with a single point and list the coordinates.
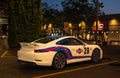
(47, 39)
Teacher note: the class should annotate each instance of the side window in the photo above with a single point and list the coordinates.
(69, 41)
(63, 42)
(74, 41)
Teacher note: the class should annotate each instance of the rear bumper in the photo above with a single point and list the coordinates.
(42, 59)
(25, 62)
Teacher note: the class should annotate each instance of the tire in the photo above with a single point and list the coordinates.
(96, 56)
(59, 61)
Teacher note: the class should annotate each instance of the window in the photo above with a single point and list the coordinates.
(69, 41)
(63, 42)
(47, 39)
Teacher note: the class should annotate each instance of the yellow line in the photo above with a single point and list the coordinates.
(4, 54)
(67, 71)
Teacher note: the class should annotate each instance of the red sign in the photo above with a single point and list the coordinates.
(100, 27)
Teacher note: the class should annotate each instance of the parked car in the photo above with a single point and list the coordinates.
(57, 51)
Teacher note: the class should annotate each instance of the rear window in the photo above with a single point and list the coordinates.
(46, 39)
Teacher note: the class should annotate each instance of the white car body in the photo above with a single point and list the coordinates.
(43, 53)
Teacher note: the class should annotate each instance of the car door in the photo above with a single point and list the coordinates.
(75, 46)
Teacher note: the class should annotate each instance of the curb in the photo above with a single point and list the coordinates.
(115, 64)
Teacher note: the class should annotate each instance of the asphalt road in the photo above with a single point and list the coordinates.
(109, 67)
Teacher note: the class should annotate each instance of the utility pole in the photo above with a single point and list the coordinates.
(96, 31)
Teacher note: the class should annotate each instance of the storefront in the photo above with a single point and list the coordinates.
(3, 24)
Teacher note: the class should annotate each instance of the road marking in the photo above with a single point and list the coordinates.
(67, 71)
(4, 53)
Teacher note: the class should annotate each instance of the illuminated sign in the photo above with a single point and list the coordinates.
(100, 27)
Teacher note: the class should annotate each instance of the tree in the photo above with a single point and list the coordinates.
(76, 11)
(24, 21)
(51, 15)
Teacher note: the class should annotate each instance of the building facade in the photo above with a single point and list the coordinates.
(3, 15)
(108, 29)
(113, 22)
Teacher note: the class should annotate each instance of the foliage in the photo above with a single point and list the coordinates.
(24, 21)
(79, 10)
(76, 11)
(52, 15)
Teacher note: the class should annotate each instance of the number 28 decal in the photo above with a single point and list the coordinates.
(86, 50)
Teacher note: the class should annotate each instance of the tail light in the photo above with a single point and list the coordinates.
(43, 50)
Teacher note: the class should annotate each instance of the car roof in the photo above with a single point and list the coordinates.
(55, 37)
(61, 37)
(58, 38)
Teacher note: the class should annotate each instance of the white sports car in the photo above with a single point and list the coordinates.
(57, 51)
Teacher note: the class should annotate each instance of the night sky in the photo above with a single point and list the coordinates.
(110, 6)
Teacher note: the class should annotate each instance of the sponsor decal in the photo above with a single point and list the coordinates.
(79, 51)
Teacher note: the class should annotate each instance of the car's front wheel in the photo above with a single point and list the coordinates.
(96, 56)
(59, 61)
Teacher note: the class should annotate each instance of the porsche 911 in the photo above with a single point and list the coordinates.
(58, 51)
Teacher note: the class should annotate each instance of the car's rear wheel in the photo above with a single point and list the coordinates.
(96, 56)
(59, 61)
